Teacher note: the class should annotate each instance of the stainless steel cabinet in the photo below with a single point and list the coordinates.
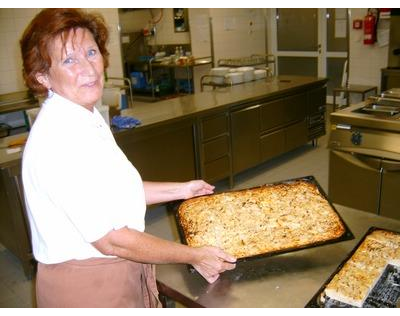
(363, 182)
(214, 147)
(14, 232)
(163, 153)
(390, 197)
(353, 181)
(267, 129)
(245, 129)
(316, 112)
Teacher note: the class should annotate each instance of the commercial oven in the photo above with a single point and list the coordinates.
(364, 159)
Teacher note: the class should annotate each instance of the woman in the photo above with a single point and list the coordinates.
(86, 202)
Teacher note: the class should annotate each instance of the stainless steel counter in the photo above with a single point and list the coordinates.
(10, 156)
(17, 101)
(170, 110)
(287, 280)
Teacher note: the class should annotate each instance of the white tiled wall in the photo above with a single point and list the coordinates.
(12, 24)
(366, 61)
(165, 33)
(238, 32)
(114, 44)
(137, 20)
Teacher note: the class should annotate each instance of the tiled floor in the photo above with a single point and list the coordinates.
(17, 291)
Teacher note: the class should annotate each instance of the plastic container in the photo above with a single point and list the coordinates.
(104, 111)
(123, 101)
(111, 96)
(138, 80)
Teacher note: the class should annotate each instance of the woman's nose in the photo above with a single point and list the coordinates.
(87, 66)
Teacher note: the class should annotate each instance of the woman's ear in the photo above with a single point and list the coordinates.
(43, 79)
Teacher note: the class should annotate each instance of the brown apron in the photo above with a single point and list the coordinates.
(96, 282)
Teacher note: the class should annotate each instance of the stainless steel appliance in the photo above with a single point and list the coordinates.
(364, 166)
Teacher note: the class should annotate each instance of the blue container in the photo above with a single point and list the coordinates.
(138, 80)
(184, 85)
(123, 103)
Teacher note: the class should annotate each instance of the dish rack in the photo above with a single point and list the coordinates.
(253, 60)
(210, 80)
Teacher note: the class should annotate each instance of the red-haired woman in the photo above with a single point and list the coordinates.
(86, 202)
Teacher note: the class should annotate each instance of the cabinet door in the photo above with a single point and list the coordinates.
(164, 153)
(390, 197)
(14, 225)
(354, 181)
(245, 129)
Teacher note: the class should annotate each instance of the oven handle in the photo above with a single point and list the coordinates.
(391, 165)
(362, 161)
(372, 162)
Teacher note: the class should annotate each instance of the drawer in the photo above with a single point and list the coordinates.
(272, 114)
(217, 169)
(295, 107)
(214, 126)
(216, 148)
(296, 135)
(272, 144)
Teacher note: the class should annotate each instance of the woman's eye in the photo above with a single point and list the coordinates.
(92, 52)
(68, 60)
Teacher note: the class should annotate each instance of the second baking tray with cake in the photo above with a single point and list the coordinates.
(368, 277)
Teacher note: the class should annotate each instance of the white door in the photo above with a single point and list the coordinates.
(311, 42)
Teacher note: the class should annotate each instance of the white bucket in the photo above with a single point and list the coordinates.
(104, 111)
(111, 96)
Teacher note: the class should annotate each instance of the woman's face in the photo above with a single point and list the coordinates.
(77, 70)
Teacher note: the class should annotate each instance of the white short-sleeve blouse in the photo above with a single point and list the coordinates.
(78, 183)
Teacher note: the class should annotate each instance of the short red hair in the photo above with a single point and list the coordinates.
(44, 28)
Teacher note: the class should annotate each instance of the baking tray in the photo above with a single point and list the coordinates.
(347, 235)
(374, 299)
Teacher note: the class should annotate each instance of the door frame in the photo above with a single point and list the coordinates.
(321, 54)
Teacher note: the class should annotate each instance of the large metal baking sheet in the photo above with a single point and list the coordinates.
(384, 293)
(347, 235)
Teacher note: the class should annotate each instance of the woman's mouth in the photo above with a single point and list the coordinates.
(90, 84)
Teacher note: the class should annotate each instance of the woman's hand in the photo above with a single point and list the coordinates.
(196, 188)
(211, 261)
(160, 192)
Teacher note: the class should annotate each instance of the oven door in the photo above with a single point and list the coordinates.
(354, 180)
(390, 197)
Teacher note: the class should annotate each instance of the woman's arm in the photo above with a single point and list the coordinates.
(142, 247)
(160, 192)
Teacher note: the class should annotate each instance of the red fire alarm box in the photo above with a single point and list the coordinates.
(357, 24)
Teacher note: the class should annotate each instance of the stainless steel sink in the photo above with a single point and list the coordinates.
(381, 109)
(381, 106)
